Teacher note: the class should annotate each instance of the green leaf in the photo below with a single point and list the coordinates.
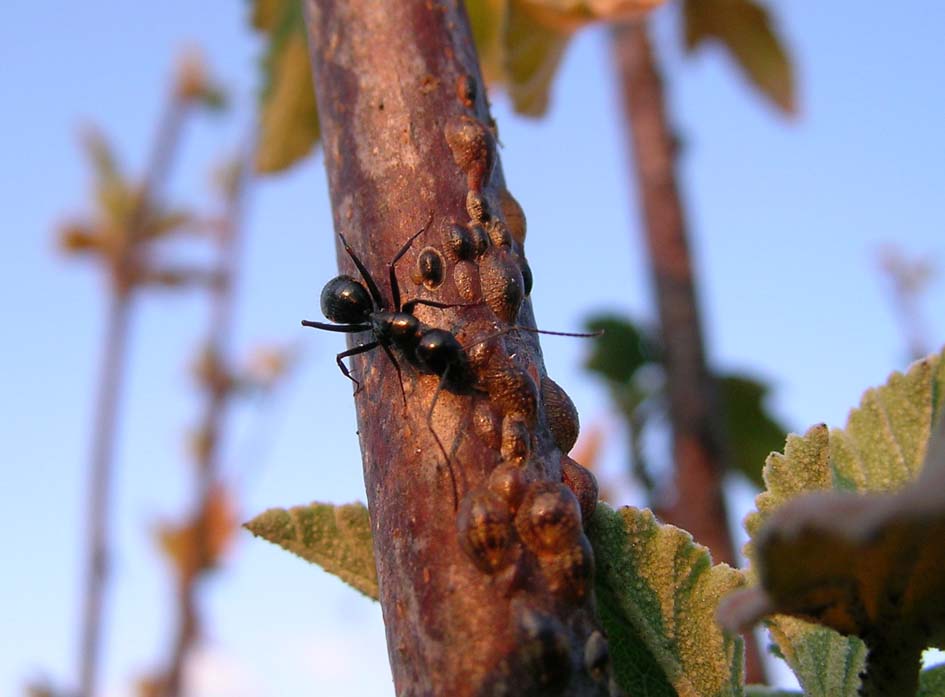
(746, 30)
(487, 21)
(288, 119)
(621, 350)
(835, 556)
(765, 691)
(658, 592)
(932, 682)
(337, 538)
(752, 431)
(532, 54)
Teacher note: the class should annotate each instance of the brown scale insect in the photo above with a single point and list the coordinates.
(516, 439)
(502, 286)
(511, 389)
(484, 530)
(477, 206)
(473, 149)
(568, 573)
(459, 243)
(479, 237)
(583, 483)
(560, 413)
(466, 280)
(508, 482)
(549, 519)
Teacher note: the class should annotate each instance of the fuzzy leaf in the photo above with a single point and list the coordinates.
(337, 538)
(753, 433)
(765, 691)
(658, 593)
(745, 29)
(288, 115)
(856, 551)
(932, 682)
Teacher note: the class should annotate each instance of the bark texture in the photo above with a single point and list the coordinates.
(698, 448)
(485, 573)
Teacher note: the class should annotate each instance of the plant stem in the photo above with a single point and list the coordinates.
(223, 304)
(698, 449)
(102, 458)
(122, 272)
(393, 82)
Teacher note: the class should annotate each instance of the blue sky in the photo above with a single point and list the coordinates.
(787, 219)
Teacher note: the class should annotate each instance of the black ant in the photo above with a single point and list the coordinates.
(359, 307)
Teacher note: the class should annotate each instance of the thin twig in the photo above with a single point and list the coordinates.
(219, 392)
(122, 274)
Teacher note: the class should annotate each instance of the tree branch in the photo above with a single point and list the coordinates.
(495, 597)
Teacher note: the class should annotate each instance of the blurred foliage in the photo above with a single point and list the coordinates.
(858, 564)
(288, 121)
(629, 359)
(745, 29)
(198, 545)
(520, 44)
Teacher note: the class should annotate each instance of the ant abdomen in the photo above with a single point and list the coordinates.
(439, 352)
(345, 301)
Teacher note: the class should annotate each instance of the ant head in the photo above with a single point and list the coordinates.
(439, 351)
(345, 301)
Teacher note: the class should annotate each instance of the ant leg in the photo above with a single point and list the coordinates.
(394, 286)
(345, 328)
(365, 274)
(400, 377)
(449, 463)
(410, 304)
(363, 348)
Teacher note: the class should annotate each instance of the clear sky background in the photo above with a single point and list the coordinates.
(787, 219)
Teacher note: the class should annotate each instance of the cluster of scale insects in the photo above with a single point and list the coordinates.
(488, 268)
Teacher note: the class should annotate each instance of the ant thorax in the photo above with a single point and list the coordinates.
(401, 329)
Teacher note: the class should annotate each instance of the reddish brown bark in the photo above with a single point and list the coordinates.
(698, 449)
(407, 140)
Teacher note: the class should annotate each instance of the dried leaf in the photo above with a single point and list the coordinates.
(199, 543)
(288, 115)
(337, 538)
(657, 591)
(867, 565)
(745, 28)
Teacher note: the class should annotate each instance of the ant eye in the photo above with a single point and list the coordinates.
(345, 301)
